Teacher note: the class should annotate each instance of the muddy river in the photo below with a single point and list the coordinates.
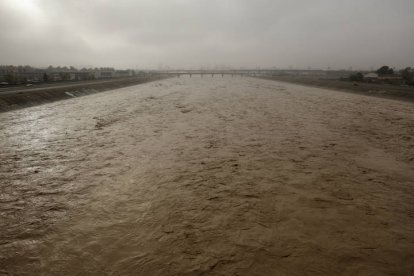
(208, 176)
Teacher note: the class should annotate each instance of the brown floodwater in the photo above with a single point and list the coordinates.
(208, 176)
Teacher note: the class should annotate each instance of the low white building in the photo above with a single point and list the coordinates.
(371, 76)
(104, 73)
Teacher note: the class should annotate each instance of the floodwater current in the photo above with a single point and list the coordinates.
(208, 176)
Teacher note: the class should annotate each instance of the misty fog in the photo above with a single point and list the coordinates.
(186, 34)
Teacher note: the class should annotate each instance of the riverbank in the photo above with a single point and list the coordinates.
(21, 97)
(370, 89)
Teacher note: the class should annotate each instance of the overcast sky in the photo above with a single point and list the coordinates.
(194, 33)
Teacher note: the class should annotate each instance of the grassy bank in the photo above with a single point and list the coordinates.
(371, 89)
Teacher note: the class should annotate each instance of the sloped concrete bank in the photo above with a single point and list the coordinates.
(13, 100)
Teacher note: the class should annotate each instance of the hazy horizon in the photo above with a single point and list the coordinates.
(186, 34)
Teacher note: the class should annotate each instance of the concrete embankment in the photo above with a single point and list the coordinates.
(11, 100)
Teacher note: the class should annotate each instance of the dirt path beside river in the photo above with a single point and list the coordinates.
(208, 176)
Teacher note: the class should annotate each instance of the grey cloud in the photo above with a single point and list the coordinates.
(185, 33)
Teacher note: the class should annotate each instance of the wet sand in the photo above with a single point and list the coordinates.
(208, 176)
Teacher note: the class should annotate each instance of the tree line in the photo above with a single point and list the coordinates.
(407, 74)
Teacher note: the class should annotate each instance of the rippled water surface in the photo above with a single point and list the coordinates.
(208, 176)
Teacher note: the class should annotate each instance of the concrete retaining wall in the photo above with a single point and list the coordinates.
(33, 97)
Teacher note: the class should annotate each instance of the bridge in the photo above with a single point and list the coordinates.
(256, 72)
(206, 73)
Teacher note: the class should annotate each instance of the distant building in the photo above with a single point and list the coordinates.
(124, 73)
(54, 77)
(104, 73)
(371, 77)
(19, 74)
(26, 74)
(388, 78)
(73, 76)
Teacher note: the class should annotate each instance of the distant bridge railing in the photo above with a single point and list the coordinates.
(257, 72)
